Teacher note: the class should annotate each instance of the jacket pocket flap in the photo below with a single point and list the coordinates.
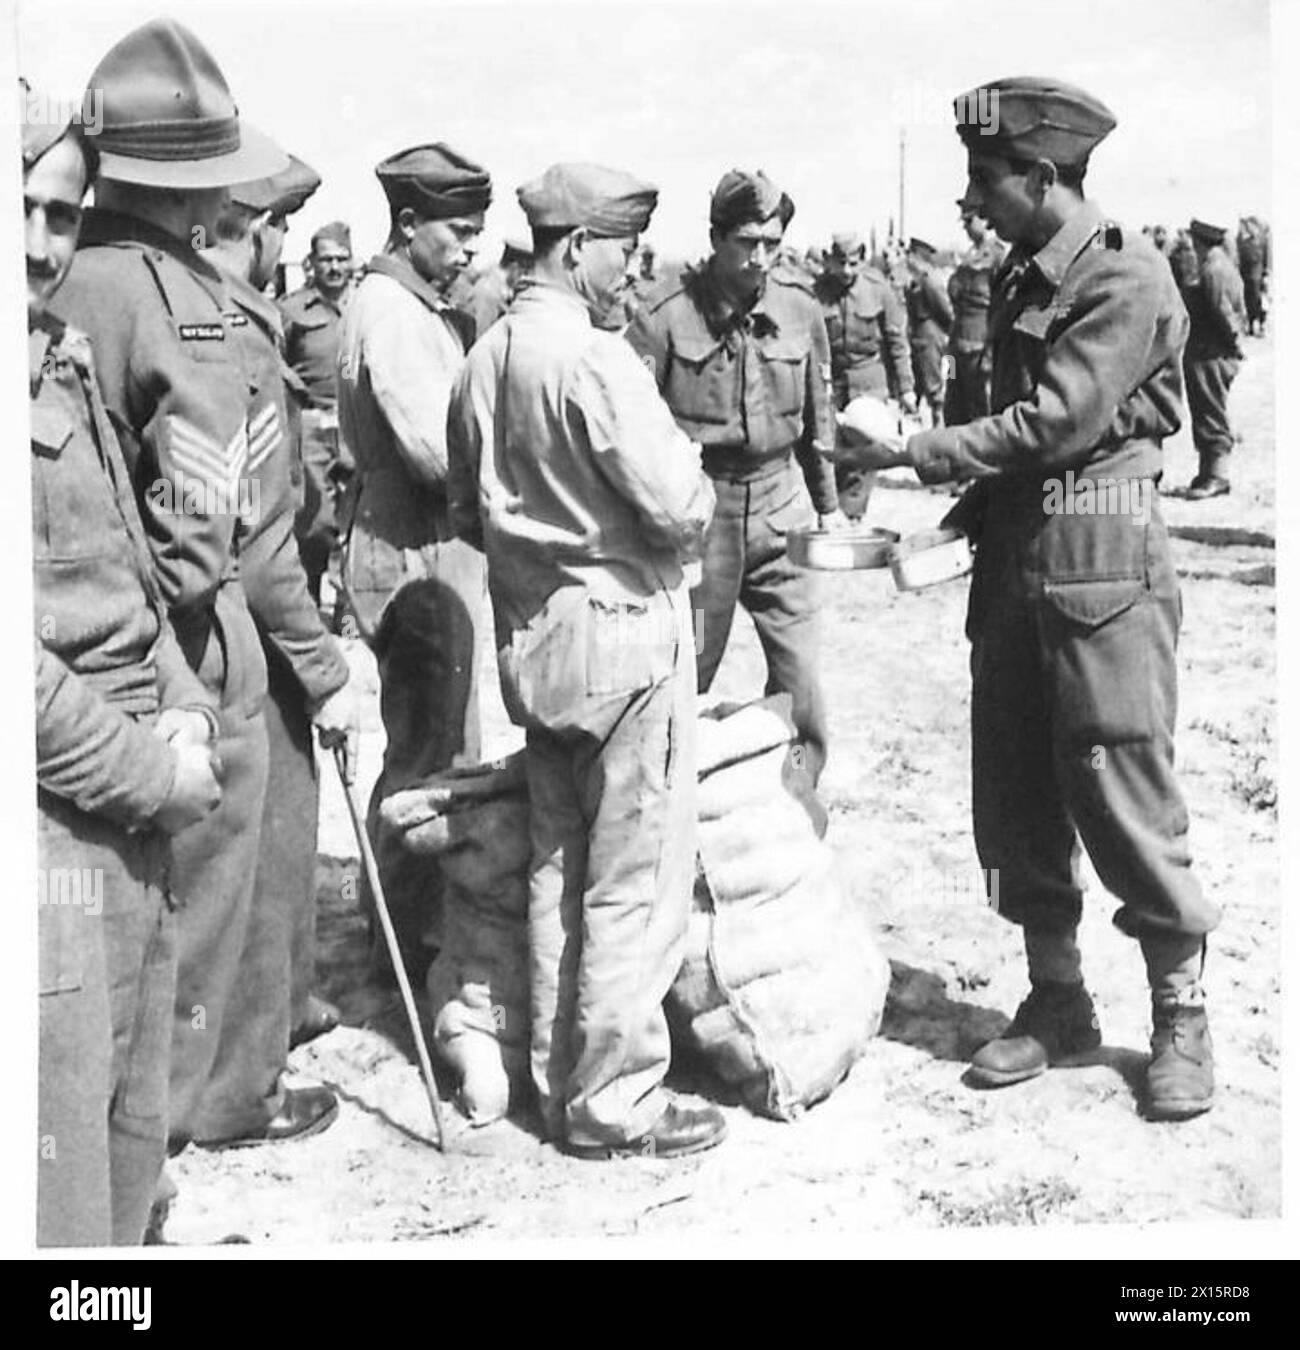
(1093, 603)
(695, 351)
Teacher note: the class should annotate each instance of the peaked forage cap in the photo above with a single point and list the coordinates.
(169, 119)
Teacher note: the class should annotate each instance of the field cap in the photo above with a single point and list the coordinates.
(1026, 117)
(336, 232)
(436, 181)
(922, 249)
(607, 202)
(742, 197)
(281, 193)
(168, 117)
(846, 245)
(1206, 233)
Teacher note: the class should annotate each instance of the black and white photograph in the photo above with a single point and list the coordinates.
(655, 631)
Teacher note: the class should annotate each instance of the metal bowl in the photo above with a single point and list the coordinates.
(927, 558)
(840, 550)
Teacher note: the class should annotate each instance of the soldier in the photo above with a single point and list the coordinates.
(493, 290)
(739, 352)
(307, 677)
(1074, 616)
(867, 329)
(969, 289)
(312, 317)
(417, 593)
(1254, 256)
(178, 391)
(1217, 310)
(929, 318)
(124, 732)
(567, 468)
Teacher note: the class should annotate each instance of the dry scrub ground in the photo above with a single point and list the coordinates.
(902, 1146)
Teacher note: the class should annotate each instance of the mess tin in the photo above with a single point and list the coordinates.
(927, 558)
(840, 550)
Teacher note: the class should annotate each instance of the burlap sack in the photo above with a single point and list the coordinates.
(783, 984)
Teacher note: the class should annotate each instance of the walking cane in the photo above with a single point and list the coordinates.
(390, 936)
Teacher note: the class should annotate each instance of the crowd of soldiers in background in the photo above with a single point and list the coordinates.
(908, 322)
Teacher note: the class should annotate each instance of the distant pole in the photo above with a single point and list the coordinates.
(902, 183)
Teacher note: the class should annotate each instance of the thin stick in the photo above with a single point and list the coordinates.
(394, 952)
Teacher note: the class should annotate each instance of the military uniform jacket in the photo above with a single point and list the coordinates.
(1087, 338)
(867, 329)
(1217, 310)
(270, 566)
(178, 394)
(566, 466)
(106, 657)
(970, 289)
(749, 386)
(929, 311)
(311, 342)
(400, 351)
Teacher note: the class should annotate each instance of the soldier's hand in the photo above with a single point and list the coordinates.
(909, 404)
(195, 789)
(338, 723)
(185, 725)
(833, 521)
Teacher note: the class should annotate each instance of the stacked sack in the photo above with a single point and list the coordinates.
(783, 984)
(474, 824)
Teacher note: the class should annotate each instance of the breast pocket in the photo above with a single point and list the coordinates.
(784, 365)
(702, 380)
(864, 332)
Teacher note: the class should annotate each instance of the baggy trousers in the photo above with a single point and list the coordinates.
(1073, 706)
(745, 560)
(1208, 382)
(612, 808)
(226, 1057)
(106, 988)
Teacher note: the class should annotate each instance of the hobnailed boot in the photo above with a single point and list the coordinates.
(1180, 1075)
(1056, 1023)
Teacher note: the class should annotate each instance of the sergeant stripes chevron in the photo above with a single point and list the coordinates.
(263, 435)
(202, 456)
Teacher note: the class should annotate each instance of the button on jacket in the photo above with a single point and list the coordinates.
(867, 328)
(1074, 608)
(178, 395)
(749, 387)
(311, 342)
(106, 664)
(106, 657)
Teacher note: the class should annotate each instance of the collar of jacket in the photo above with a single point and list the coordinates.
(112, 227)
(722, 315)
(41, 337)
(533, 292)
(399, 269)
(258, 308)
(1068, 242)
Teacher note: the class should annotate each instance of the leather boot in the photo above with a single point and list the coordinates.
(1055, 1023)
(1180, 1075)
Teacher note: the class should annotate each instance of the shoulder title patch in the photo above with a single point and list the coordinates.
(202, 332)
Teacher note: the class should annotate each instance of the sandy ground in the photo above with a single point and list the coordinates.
(902, 1146)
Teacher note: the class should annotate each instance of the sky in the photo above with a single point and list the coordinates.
(816, 94)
